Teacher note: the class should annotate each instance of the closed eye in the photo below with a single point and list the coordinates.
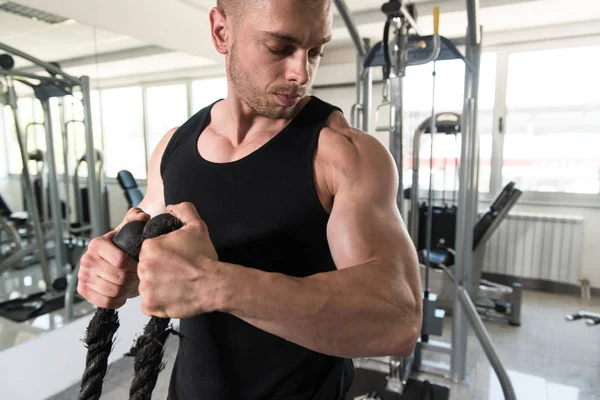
(281, 52)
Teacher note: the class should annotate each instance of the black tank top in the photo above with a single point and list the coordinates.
(262, 212)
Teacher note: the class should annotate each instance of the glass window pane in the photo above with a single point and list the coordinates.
(206, 91)
(122, 122)
(555, 77)
(553, 123)
(449, 93)
(166, 109)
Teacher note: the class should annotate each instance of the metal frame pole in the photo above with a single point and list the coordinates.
(364, 78)
(53, 187)
(345, 14)
(53, 69)
(356, 114)
(29, 192)
(467, 206)
(65, 142)
(486, 344)
(367, 97)
(396, 134)
(95, 199)
(397, 99)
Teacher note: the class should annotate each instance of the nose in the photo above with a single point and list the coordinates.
(299, 68)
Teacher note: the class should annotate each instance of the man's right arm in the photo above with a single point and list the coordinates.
(107, 276)
(154, 200)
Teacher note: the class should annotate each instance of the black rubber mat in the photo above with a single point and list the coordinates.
(20, 310)
(370, 382)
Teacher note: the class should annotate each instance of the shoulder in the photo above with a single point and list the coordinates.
(163, 148)
(351, 156)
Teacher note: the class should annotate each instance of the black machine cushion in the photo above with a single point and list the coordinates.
(130, 187)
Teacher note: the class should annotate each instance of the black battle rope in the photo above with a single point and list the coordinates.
(149, 348)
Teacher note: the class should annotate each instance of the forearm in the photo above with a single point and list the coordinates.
(366, 310)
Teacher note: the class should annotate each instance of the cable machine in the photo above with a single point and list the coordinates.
(406, 48)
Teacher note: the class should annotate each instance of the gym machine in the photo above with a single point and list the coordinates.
(54, 83)
(409, 47)
(132, 192)
(436, 242)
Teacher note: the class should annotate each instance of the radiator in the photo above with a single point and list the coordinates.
(545, 247)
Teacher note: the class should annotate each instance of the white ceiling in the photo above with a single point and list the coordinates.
(353, 5)
(60, 41)
(182, 31)
(171, 61)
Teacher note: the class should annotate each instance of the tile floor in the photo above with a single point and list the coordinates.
(547, 357)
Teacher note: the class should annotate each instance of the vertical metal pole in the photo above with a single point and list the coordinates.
(147, 150)
(396, 98)
(367, 88)
(414, 189)
(65, 142)
(190, 99)
(356, 114)
(396, 136)
(94, 196)
(57, 221)
(28, 190)
(362, 97)
(467, 196)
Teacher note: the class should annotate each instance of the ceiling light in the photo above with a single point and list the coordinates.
(32, 13)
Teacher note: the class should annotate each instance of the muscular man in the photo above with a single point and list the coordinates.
(293, 257)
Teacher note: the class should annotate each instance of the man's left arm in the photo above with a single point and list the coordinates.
(371, 305)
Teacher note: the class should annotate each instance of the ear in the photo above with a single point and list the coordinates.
(219, 30)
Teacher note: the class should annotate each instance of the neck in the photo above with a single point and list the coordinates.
(242, 122)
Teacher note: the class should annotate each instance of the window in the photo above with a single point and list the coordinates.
(449, 93)
(73, 109)
(553, 121)
(166, 108)
(123, 133)
(206, 91)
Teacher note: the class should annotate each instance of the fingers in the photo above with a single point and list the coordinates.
(102, 249)
(185, 212)
(100, 300)
(103, 285)
(107, 275)
(134, 214)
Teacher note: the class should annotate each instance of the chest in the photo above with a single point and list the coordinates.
(254, 199)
